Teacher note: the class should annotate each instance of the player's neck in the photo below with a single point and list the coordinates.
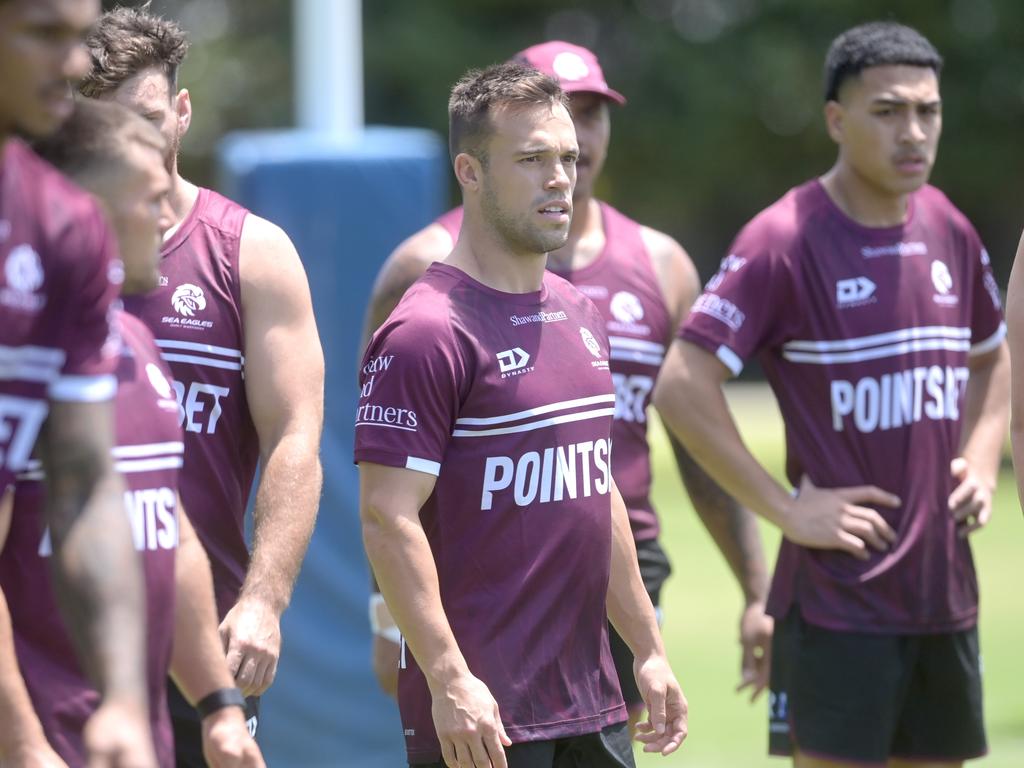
(484, 255)
(862, 201)
(182, 197)
(586, 238)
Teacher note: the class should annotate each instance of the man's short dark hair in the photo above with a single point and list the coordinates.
(876, 44)
(480, 91)
(126, 41)
(96, 137)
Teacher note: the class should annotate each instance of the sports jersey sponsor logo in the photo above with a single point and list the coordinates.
(514, 362)
(539, 317)
(570, 66)
(855, 292)
(590, 342)
(152, 513)
(378, 364)
(731, 263)
(158, 380)
(20, 421)
(162, 282)
(631, 394)
(23, 271)
(593, 292)
(894, 400)
(188, 299)
(371, 415)
(914, 248)
(943, 282)
(626, 307)
(989, 281)
(555, 474)
(721, 309)
(199, 409)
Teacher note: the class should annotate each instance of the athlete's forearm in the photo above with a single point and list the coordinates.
(284, 516)
(694, 409)
(986, 414)
(629, 606)
(19, 725)
(733, 527)
(197, 661)
(402, 560)
(97, 573)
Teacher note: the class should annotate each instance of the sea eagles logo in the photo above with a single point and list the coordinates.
(570, 66)
(188, 299)
(626, 307)
(23, 269)
(590, 342)
(941, 279)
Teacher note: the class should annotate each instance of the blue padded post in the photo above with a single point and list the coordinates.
(345, 205)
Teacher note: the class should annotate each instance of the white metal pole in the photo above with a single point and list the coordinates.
(329, 65)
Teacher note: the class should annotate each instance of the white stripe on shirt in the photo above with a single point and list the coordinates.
(147, 449)
(878, 339)
(196, 360)
(194, 346)
(84, 389)
(991, 342)
(148, 465)
(875, 353)
(625, 342)
(565, 419)
(538, 411)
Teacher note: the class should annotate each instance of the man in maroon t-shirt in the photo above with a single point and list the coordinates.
(643, 283)
(233, 318)
(118, 157)
(58, 357)
(870, 303)
(489, 513)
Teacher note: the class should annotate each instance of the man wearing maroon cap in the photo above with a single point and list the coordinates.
(643, 283)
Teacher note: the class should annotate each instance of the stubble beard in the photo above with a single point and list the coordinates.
(519, 234)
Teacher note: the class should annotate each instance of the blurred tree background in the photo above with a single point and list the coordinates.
(725, 96)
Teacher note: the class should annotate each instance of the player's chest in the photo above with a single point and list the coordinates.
(884, 288)
(539, 366)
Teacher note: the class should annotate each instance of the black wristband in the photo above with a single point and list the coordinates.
(219, 699)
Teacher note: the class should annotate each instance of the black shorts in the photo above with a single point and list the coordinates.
(610, 748)
(859, 697)
(188, 729)
(655, 570)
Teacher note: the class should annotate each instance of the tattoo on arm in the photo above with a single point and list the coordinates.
(733, 527)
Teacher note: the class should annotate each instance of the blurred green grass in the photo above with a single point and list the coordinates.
(702, 607)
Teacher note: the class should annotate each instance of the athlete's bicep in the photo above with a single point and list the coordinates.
(676, 273)
(284, 363)
(390, 495)
(399, 271)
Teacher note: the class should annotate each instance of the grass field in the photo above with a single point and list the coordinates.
(702, 605)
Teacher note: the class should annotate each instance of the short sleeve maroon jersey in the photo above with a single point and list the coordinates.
(148, 454)
(57, 261)
(623, 286)
(507, 399)
(865, 337)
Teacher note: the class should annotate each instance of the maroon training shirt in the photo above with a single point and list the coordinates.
(148, 455)
(865, 336)
(507, 399)
(57, 261)
(196, 316)
(623, 286)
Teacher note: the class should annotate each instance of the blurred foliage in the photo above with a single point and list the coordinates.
(724, 109)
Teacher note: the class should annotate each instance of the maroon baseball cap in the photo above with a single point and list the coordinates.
(575, 68)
